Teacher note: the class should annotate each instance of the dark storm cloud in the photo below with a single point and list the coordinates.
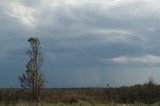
(84, 43)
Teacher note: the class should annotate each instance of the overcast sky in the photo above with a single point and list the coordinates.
(85, 43)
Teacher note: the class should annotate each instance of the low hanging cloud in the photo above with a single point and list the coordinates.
(151, 59)
(75, 33)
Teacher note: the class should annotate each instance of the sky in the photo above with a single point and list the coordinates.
(85, 43)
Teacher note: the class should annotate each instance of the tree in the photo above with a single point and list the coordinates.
(33, 78)
(150, 90)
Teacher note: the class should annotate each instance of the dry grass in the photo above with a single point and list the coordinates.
(82, 103)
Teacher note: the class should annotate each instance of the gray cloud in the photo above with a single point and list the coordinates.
(75, 35)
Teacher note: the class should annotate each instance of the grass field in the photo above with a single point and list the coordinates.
(122, 96)
(74, 104)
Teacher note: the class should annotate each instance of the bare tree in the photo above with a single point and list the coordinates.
(33, 78)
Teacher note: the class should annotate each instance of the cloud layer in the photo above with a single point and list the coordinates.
(84, 42)
(150, 59)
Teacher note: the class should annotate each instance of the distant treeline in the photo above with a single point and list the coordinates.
(145, 93)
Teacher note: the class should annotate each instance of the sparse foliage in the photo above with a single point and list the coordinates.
(150, 88)
(33, 78)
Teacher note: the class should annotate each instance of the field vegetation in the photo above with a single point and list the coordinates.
(146, 94)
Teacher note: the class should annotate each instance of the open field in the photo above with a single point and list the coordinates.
(147, 94)
(76, 104)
